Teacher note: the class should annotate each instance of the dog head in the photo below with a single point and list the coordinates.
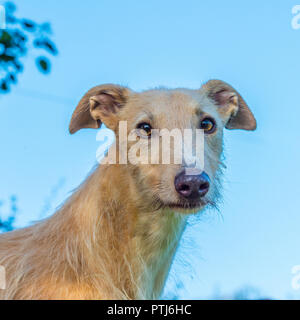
(154, 116)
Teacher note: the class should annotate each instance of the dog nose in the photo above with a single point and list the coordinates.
(192, 187)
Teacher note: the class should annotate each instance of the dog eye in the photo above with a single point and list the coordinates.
(145, 129)
(208, 125)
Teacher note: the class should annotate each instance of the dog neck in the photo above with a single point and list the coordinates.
(130, 249)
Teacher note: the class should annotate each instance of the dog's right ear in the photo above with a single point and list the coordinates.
(100, 104)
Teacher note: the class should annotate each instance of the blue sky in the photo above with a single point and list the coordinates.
(251, 45)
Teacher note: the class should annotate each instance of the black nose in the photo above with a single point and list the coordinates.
(192, 187)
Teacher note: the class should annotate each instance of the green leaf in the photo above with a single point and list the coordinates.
(12, 77)
(6, 58)
(4, 86)
(10, 7)
(6, 38)
(43, 64)
(28, 24)
(46, 44)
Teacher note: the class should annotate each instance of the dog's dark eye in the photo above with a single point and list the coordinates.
(208, 125)
(145, 129)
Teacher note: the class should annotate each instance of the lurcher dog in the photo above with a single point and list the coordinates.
(116, 236)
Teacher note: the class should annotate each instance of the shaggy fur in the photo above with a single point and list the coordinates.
(116, 236)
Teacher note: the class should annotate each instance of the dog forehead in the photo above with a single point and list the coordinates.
(160, 102)
(168, 108)
(170, 97)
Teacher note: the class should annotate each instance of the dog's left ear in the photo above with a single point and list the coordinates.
(231, 103)
(100, 104)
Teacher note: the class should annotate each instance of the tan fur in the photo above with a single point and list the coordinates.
(115, 237)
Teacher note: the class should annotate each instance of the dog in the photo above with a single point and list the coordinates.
(116, 236)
